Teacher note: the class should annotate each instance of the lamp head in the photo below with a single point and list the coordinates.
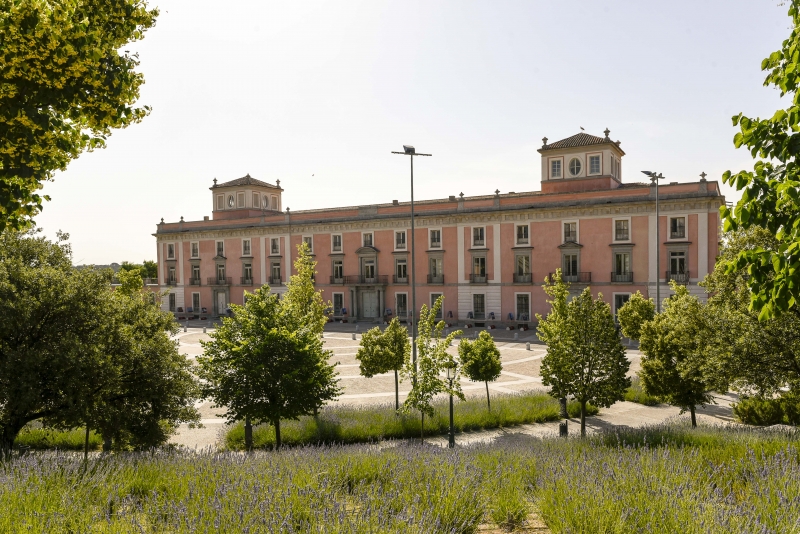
(451, 371)
(408, 149)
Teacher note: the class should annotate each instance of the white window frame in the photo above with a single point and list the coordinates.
(614, 300)
(199, 302)
(216, 249)
(241, 199)
(516, 235)
(577, 230)
(561, 169)
(272, 241)
(191, 249)
(220, 202)
(530, 302)
(333, 299)
(256, 200)
(407, 303)
(405, 241)
(274, 202)
(614, 230)
(430, 243)
(171, 256)
(310, 242)
(249, 245)
(341, 240)
(472, 236)
(581, 171)
(685, 217)
(589, 157)
(371, 241)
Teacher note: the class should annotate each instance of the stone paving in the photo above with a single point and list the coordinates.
(520, 372)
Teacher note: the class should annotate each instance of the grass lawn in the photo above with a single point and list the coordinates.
(659, 479)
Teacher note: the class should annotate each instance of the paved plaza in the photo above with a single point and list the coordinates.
(520, 373)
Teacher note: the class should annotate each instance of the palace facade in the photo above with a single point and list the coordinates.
(488, 255)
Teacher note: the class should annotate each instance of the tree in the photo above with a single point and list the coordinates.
(381, 352)
(432, 359)
(267, 362)
(480, 360)
(771, 192)
(66, 81)
(672, 344)
(585, 357)
(130, 281)
(753, 356)
(632, 316)
(149, 269)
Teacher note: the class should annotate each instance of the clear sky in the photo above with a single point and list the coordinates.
(317, 94)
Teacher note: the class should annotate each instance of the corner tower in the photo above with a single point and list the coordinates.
(582, 162)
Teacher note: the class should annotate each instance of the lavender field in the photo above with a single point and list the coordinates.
(660, 479)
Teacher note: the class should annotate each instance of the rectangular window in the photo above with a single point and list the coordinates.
(522, 234)
(221, 249)
(570, 265)
(523, 264)
(677, 228)
(367, 239)
(338, 304)
(309, 240)
(171, 275)
(369, 269)
(220, 273)
(570, 232)
(336, 243)
(338, 269)
(195, 249)
(275, 273)
(434, 297)
(248, 272)
(594, 164)
(195, 274)
(622, 263)
(220, 202)
(172, 301)
(622, 230)
(523, 307)
(677, 262)
(435, 274)
(170, 251)
(239, 200)
(275, 205)
(275, 245)
(400, 240)
(196, 302)
(478, 237)
(436, 238)
(479, 306)
(401, 300)
(256, 201)
(245, 247)
(555, 168)
(619, 301)
(401, 270)
(479, 269)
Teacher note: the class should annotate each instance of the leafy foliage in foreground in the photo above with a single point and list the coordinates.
(50, 439)
(659, 479)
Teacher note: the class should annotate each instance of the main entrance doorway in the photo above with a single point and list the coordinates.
(221, 304)
(369, 302)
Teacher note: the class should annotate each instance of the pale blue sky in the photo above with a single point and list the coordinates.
(284, 90)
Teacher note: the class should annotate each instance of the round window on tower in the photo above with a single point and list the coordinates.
(265, 202)
(230, 201)
(575, 166)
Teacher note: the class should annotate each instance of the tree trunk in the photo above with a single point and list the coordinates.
(107, 444)
(277, 424)
(396, 391)
(8, 433)
(422, 428)
(694, 416)
(583, 418)
(86, 444)
(488, 402)
(248, 433)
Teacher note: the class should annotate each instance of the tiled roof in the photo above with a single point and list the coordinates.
(246, 180)
(581, 139)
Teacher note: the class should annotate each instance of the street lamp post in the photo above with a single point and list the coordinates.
(451, 374)
(654, 178)
(409, 150)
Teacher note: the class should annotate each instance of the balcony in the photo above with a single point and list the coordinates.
(477, 279)
(172, 282)
(337, 280)
(150, 281)
(275, 280)
(680, 278)
(194, 281)
(399, 279)
(247, 281)
(219, 281)
(360, 279)
(436, 279)
(522, 278)
(622, 277)
(573, 278)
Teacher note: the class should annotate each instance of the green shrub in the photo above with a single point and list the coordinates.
(636, 394)
(574, 409)
(48, 438)
(763, 411)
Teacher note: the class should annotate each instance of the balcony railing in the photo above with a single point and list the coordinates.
(400, 279)
(382, 279)
(522, 278)
(219, 281)
(150, 281)
(172, 282)
(625, 277)
(247, 281)
(681, 278)
(477, 279)
(194, 281)
(436, 279)
(337, 279)
(573, 278)
(275, 280)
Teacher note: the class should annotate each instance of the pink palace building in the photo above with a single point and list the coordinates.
(488, 255)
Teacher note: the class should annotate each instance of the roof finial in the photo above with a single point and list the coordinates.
(461, 195)
(606, 131)
(703, 176)
(247, 175)
(215, 182)
(277, 183)
(544, 141)
(181, 218)
(162, 220)
(497, 192)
